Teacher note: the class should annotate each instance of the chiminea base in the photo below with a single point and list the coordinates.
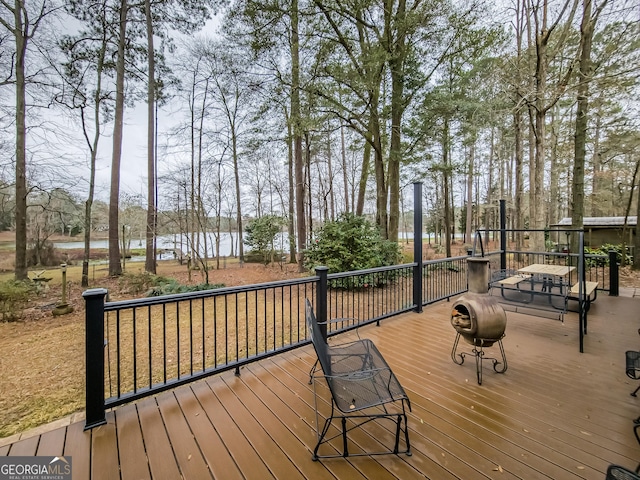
(478, 352)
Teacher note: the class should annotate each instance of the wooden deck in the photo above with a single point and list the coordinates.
(555, 413)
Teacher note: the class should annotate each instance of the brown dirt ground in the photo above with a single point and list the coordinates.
(42, 356)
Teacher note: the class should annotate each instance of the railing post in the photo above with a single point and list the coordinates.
(614, 276)
(503, 235)
(94, 356)
(322, 300)
(417, 246)
(582, 304)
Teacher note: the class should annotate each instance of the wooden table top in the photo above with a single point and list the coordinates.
(543, 269)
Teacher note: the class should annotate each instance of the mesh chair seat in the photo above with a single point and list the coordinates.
(361, 378)
(616, 472)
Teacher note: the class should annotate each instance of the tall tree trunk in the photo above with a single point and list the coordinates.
(596, 207)
(93, 148)
(21, 39)
(381, 183)
(470, 175)
(397, 54)
(364, 173)
(115, 267)
(627, 211)
(345, 178)
(332, 197)
(297, 135)
(488, 213)
(585, 74)
(445, 187)
(236, 173)
(292, 223)
(150, 256)
(554, 170)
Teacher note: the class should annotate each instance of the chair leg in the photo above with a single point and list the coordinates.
(345, 447)
(312, 371)
(634, 393)
(635, 431)
(325, 429)
(406, 433)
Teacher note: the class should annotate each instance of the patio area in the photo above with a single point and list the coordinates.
(554, 414)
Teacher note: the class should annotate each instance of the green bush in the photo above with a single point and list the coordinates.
(172, 286)
(351, 243)
(604, 250)
(138, 283)
(14, 297)
(261, 234)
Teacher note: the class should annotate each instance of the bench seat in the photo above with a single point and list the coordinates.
(589, 288)
(514, 280)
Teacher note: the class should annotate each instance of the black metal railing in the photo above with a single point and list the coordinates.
(443, 279)
(140, 347)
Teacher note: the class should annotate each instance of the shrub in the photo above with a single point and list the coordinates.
(14, 297)
(172, 286)
(604, 250)
(140, 282)
(261, 234)
(351, 243)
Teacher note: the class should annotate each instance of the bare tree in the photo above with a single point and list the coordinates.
(115, 267)
(24, 26)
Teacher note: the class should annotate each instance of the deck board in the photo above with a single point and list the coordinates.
(185, 448)
(52, 443)
(104, 451)
(162, 462)
(554, 414)
(221, 466)
(25, 447)
(77, 445)
(133, 457)
(247, 459)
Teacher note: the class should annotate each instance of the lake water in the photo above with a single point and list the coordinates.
(179, 244)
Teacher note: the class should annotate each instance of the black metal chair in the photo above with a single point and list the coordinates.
(616, 472)
(633, 367)
(363, 388)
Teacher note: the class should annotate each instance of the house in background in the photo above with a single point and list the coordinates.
(599, 231)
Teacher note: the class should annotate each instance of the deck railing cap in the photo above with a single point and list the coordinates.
(95, 292)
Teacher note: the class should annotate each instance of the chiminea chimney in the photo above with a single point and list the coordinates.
(478, 274)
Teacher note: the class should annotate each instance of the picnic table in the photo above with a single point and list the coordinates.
(536, 281)
(544, 269)
(550, 282)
